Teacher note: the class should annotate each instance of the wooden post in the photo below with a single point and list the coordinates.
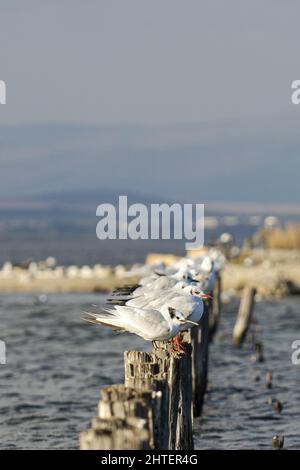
(215, 313)
(119, 401)
(200, 359)
(194, 337)
(122, 409)
(172, 376)
(180, 401)
(244, 315)
(148, 372)
(116, 434)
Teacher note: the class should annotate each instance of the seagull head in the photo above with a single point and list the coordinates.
(178, 317)
(197, 292)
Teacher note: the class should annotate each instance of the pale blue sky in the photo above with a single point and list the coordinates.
(108, 73)
(147, 61)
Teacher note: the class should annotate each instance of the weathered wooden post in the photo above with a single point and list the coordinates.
(180, 401)
(121, 401)
(116, 434)
(194, 337)
(147, 372)
(244, 315)
(215, 313)
(200, 344)
(123, 408)
(172, 375)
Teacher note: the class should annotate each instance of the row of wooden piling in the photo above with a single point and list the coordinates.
(162, 392)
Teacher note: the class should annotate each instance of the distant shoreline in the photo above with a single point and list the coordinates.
(275, 273)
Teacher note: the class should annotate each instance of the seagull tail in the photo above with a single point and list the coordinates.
(105, 318)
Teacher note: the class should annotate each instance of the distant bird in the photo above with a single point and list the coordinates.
(259, 352)
(269, 379)
(42, 299)
(277, 405)
(277, 442)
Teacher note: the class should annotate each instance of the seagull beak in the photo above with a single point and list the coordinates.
(206, 296)
(191, 322)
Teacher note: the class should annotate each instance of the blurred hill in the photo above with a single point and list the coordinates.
(208, 162)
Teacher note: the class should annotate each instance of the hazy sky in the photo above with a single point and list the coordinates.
(216, 74)
(147, 61)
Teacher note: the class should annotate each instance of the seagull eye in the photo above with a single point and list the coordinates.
(172, 312)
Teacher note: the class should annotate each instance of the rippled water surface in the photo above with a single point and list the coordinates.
(56, 364)
(236, 412)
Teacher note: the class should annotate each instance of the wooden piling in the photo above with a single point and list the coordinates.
(244, 315)
(216, 306)
(180, 401)
(123, 408)
(116, 434)
(148, 372)
(200, 344)
(119, 401)
(172, 376)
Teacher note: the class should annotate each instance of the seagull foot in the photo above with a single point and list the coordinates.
(177, 347)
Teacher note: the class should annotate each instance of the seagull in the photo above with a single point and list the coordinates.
(149, 323)
(155, 315)
(190, 306)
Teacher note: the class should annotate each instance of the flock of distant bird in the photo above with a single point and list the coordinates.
(167, 300)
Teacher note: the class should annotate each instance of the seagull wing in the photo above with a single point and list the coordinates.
(150, 324)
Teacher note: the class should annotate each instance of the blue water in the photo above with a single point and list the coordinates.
(57, 363)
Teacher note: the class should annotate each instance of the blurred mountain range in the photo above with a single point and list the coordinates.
(53, 177)
(253, 162)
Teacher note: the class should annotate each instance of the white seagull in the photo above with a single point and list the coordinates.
(149, 323)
